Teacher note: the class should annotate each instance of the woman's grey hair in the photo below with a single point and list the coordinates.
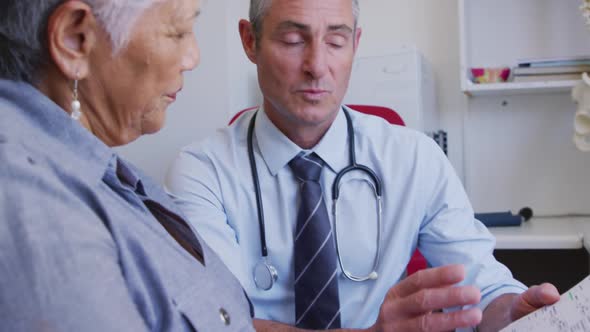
(258, 9)
(23, 30)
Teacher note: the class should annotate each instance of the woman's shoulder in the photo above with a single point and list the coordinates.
(32, 171)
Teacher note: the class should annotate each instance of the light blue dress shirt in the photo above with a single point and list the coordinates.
(80, 251)
(424, 206)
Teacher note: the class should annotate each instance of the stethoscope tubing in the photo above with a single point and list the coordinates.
(353, 166)
(259, 207)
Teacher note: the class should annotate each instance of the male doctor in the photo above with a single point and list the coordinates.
(300, 141)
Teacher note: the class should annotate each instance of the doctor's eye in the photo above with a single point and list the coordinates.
(292, 39)
(336, 41)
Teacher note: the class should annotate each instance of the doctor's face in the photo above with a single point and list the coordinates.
(304, 55)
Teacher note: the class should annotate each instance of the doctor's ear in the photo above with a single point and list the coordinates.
(71, 35)
(357, 37)
(248, 36)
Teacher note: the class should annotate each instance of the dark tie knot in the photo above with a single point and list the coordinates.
(307, 168)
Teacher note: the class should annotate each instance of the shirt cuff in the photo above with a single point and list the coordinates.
(490, 296)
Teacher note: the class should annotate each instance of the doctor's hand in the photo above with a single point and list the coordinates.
(414, 304)
(509, 307)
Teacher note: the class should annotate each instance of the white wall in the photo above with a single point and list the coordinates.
(519, 150)
(225, 82)
(431, 25)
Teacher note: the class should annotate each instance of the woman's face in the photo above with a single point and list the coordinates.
(126, 95)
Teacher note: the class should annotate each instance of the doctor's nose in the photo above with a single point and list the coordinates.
(315, 62)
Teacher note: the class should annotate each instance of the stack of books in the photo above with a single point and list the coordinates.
(551, 69)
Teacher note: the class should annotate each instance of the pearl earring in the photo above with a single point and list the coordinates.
(76, 103)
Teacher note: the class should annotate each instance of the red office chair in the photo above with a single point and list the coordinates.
(417, 262)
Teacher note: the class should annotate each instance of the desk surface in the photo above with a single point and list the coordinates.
(545, 233)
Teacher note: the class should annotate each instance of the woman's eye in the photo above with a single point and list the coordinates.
(180, 35)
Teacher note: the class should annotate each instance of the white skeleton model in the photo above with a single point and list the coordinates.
(581, 94)
(585, 8)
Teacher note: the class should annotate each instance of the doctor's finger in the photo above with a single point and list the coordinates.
(428, 278)
(541, 295)
(441, 321)
(534, 298)
(428, 300)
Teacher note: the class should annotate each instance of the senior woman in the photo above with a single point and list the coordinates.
(88, 243)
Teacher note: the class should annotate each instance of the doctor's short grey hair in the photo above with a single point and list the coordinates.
(258, 9)
(23, 31)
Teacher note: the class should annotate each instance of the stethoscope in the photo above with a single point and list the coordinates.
(265, 274)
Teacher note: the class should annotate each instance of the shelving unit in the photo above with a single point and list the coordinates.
(514, 88)
(518, 147)
(498, 33)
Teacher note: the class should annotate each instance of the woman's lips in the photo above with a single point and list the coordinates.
(173, 95)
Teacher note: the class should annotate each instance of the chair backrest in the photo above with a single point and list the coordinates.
(417, 262)
(386, 113)
(237, 115)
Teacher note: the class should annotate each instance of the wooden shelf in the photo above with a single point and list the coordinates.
(514, 88)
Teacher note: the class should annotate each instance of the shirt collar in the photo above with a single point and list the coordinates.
(126, 174)
(277, 149)
(333, 147)
(91, 155)
(128, 177)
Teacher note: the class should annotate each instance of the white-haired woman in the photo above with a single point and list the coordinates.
(88, 243)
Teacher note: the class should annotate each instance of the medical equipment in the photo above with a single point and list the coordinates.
(265, 274)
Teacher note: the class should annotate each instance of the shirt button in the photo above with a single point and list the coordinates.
(224, 316)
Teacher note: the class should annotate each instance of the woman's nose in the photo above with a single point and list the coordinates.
(192, 57)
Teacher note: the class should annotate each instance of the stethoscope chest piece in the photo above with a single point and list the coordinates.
(265, 275)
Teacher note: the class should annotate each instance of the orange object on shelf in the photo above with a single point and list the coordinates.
(490, 75)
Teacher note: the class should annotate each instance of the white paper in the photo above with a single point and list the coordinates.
(570, 314)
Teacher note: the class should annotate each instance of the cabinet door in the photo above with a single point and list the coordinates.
(563, 268)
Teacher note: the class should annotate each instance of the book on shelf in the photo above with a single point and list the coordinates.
(547, 77)
(550, 70)
(583, 60)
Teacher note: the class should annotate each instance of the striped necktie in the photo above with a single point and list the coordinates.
(317, 305)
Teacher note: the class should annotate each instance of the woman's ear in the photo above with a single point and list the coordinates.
(72, 33)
